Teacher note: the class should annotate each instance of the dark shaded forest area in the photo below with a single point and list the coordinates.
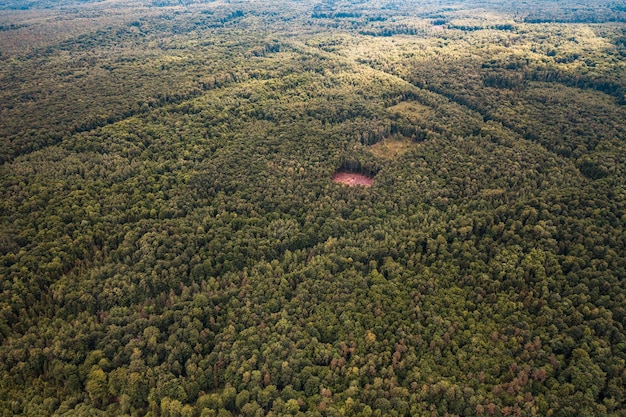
(172, 242)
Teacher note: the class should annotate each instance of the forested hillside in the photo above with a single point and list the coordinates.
(173, 241)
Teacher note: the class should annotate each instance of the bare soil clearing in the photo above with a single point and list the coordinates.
(352, 179)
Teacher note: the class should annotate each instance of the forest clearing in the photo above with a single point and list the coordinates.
(352, 179)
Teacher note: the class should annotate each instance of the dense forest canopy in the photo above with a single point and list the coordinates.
(172, 241)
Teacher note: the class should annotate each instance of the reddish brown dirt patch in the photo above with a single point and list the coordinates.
(351, 179)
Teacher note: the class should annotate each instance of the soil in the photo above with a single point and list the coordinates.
(352, 179)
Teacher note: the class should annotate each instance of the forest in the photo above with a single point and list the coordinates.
(174, 239)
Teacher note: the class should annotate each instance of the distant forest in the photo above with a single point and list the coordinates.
(176, 239)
